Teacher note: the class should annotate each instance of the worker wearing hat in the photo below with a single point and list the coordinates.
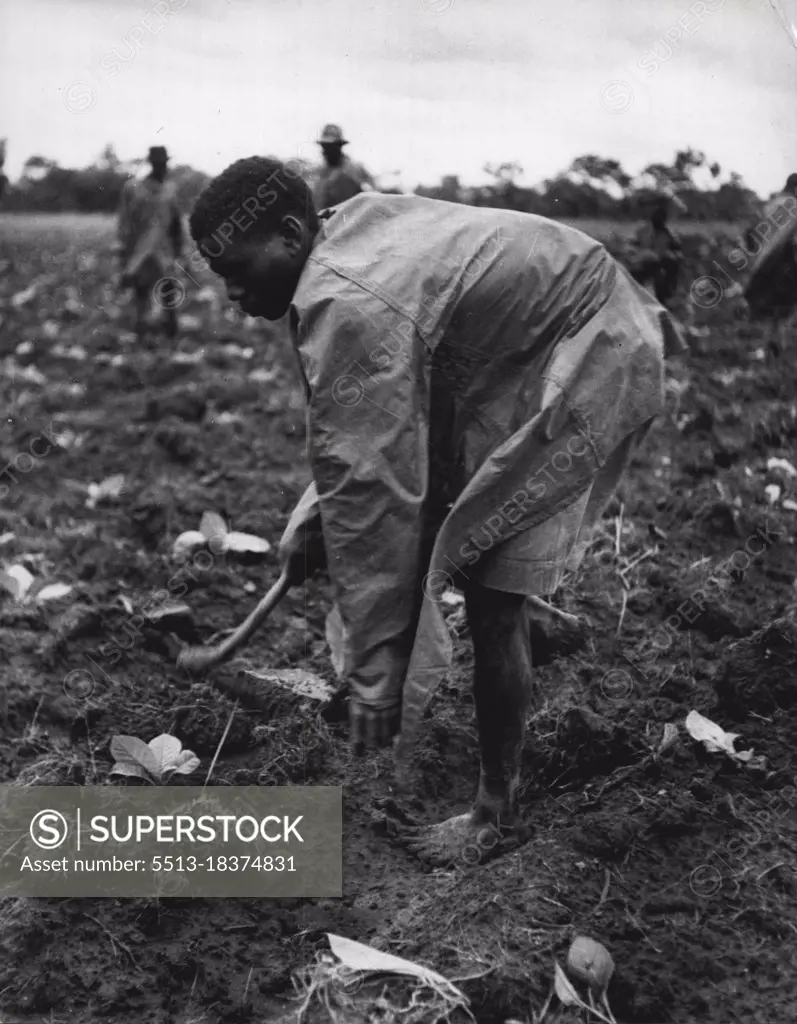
(338, 178)
(150, 239)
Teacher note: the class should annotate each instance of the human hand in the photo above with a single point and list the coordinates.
(371, 728)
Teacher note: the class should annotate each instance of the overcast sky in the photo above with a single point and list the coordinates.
(428, 87)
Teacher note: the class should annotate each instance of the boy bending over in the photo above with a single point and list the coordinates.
(477, 381)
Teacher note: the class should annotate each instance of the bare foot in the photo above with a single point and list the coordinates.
(460, 841)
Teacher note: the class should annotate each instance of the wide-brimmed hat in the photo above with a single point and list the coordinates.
(157, 154)
(332, 135)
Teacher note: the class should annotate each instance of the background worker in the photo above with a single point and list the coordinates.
(150, 230)
(659, 255)
(338, 178)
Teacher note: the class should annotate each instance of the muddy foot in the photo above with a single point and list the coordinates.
(456, 842)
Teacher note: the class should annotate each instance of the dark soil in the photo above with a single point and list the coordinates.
(682, 862)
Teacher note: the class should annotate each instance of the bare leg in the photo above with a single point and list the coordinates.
(502, 688)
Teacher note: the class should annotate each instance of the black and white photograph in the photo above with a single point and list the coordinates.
(398, 505)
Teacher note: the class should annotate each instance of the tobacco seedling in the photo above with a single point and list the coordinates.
(155, 761)
(21, 584)
(213, 533)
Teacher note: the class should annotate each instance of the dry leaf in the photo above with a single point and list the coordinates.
(714, 737)
(236, 351)
(169, 611)
(24, 297)
(359, 957)
(54, 592)
(262, 376)
(225, 418)
(669, 738)
(17, 581)
(73, 307)
(782, 464)
(303, 683)
(336, 641)
(30, 374)
(565, 992)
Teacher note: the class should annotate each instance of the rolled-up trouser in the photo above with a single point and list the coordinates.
(535, 562)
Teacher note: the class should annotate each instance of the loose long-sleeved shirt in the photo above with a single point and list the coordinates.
(463, 366)
(150, 228)
(333, 185)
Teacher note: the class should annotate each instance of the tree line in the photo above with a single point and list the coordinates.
(599, 187)
(46, 187)
(592, 186)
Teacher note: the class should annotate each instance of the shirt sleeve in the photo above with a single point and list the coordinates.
(368, 373)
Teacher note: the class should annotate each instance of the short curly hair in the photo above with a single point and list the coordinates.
(258, 190)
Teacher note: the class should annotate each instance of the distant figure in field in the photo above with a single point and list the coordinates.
(150, 239)
(771, 291)
(338, 178)
(659, 260)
